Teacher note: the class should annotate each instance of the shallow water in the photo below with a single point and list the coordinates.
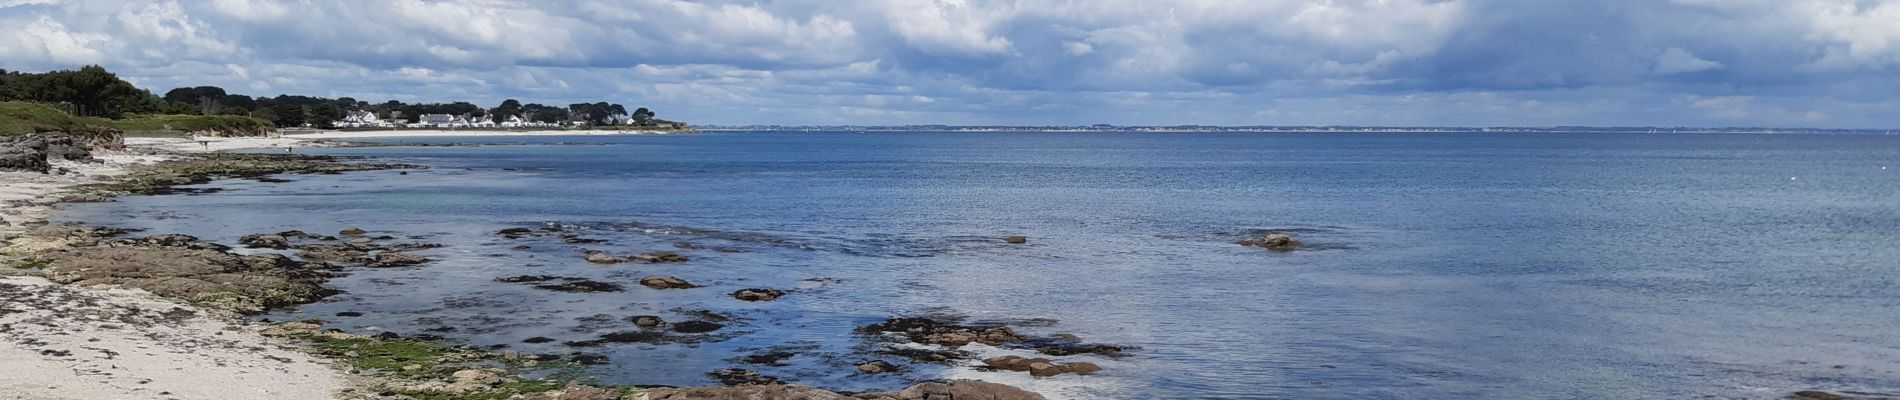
(1439, 265)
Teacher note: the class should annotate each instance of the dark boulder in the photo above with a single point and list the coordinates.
(696, 327)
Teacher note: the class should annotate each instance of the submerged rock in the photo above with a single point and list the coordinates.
(352, 232)
(758, 294)
(582, 286)
(696, 327)
(740, 377)
(666, 282)
(602, 258)
(264, 241)
(931, 331)
(875, 367)
(1277, 241)
(1016, 239)
(529, 279)
(390, 259)
(660, 257)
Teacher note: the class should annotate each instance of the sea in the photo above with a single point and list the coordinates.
(1433, 265)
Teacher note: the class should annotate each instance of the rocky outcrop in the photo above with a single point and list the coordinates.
(1041, 367)
(391, 259)
(931, 331)
(23, 153)
(1016, 239)
(181, 267)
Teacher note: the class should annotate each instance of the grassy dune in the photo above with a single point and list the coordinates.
(23, 117)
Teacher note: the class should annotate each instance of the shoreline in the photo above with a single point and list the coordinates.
(78, 312)
(401, 133)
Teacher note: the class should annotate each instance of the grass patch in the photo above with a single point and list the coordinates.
(216, 125)
(19, 118)
(33, 264)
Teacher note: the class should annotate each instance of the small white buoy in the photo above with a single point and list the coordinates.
(1792, 178)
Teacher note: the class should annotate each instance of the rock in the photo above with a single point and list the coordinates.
(660, 257)
(537, 340)
(390, 259)
(1069, 349)
(349, 314)
(750, 392)
(1016, 239)
(23, 153)
(931, 331)
(528, 279)
(646, 321)
(483, 377)
(603, 258)
(1082, 368)
(1043, 369)
(387, 336)
(955, 390)
(262, 241)
(771, 358)
(687, 246)
(582, 286)
(212, 278)
(740, 377)
(875, 367)
(572, 392)
(666, 282)
(1277, 241)
(85, 198)
(513, 233)
(757, 294)
(333, 252)
(1817, 395)
(696, 327)
(352, 232)
(292, 234)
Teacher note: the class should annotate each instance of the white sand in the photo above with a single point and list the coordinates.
(456, 133)
(64, 342)
(208, 144)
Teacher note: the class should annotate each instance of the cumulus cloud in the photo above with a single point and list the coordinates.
(1473, 62)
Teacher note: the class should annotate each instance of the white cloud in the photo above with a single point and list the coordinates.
(44, 41)
(1678, 61)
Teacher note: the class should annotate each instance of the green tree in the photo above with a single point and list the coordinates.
(326, 115)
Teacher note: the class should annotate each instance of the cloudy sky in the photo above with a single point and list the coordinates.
(1791, 63)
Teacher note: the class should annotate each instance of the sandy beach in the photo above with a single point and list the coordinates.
(70, 342)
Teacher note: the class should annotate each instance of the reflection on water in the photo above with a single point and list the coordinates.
(1436, 266)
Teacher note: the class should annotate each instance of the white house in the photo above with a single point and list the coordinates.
(514, 121)
(362, 119)
(437, 120)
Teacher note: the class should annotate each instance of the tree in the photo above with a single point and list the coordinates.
(288, 115)
(507, 108)
(643, 117)
(326, 115)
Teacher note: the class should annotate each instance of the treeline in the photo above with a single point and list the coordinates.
(93, 91)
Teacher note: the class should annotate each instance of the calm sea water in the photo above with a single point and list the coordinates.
(1440, 265)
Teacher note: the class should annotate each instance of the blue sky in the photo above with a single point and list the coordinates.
(1788, 63)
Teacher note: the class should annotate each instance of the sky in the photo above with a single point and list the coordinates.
(1774, 63)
